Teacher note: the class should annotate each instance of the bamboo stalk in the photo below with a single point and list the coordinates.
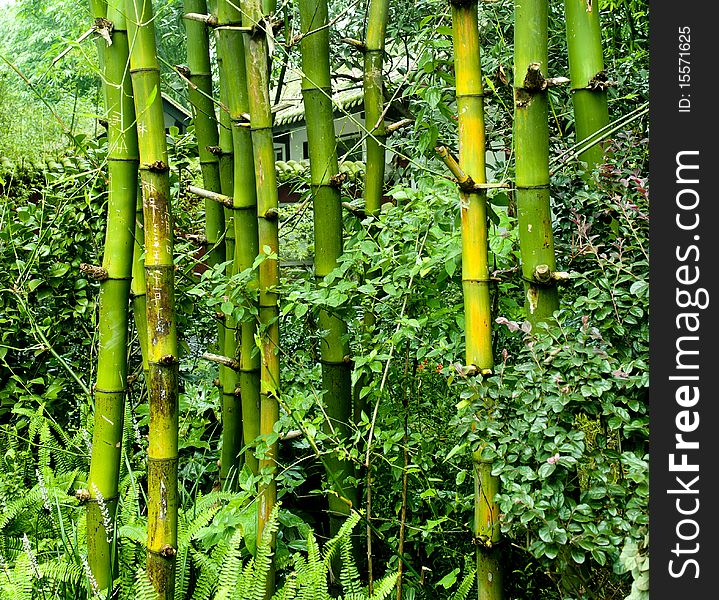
(373, 88)
(531, 142)
(110, 387)
(229, 378)
(586, 72)
(246, 407)
(199, 94)
(334, 350)
(162, 348)
(475, 272)
(257, 64)
(377, 15)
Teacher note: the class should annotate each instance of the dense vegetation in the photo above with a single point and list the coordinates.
(561, 419)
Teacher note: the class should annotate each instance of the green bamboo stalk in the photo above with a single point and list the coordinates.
(334, 351)
(531, 143)
(377, 15)
(246, 407)
(162, 350)
(205, 120)
(475, 272)
(586, 72)
(200, 96)
(229, 378)
(256, 61)
(373, 88)
(110, 387)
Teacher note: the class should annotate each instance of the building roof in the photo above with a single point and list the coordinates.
(343, 99)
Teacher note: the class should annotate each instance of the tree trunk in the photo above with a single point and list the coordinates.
(256, 61)
(586, 71)
(531, 143)
(334, 351)
(475, 273)
(162, 348)
(245, 406)
(377, 16)
(110, 387)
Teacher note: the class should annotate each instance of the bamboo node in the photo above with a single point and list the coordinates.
(209, 20)
(465, 370)
(167, 359)
(94, 272)
(542, 273)
(482, 540)
(357, 211)
(158, 166)
(82, 495)
(534, 80)
(337, 180)
(600, 82)
(104, 29)
(167, 551)
(271, 214)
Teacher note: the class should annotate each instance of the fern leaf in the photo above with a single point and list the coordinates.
(330, 549)
(231, 569)
(288, 590)
(349, 576)
(263, 560)
(143, 589)
(62, 571)
(383, 588)
(467, 582)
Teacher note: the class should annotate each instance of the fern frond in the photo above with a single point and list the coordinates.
(62, 571)
(330, 549)
(263, 558)
(205, 585)
(231, 572)
(18, 584)
(46, 443)
(349, 576)
(467, 582)
(28, 502)
(143, 589)
(135, 532)
(383, 588)
(288, 590)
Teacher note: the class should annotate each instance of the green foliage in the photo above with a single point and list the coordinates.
(564, 419)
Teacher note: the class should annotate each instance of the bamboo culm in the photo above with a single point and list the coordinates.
(246, 406)
(334, 349)
(199, 93)
(377, 15)
(162, 348)
(475, 275)
(531, 142)
(110, 388)
(587, 75)
(257, 62)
